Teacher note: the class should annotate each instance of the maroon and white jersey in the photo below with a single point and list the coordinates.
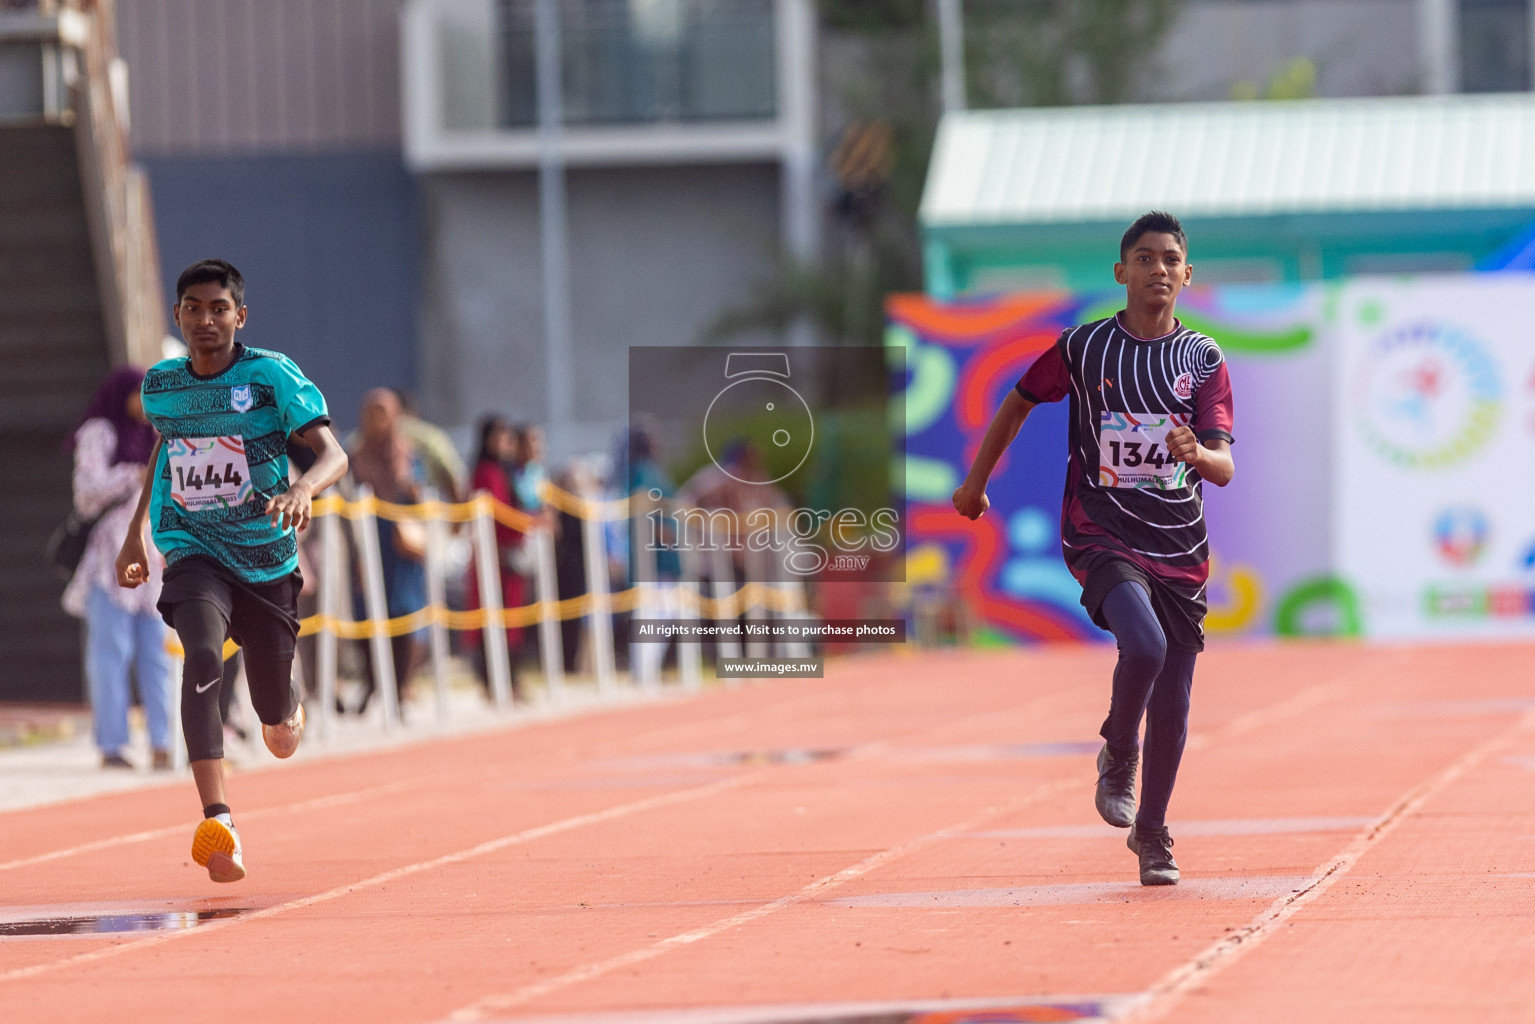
(1125, 497)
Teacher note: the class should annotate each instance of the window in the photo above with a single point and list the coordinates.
(1494, 45)
(635, 61)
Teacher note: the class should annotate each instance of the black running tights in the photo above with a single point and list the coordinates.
(202, 629)
(1154, 681)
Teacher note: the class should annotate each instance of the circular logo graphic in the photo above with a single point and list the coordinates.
(767, 413)
(1183, 387)
(1427, 396)
(1460, 536)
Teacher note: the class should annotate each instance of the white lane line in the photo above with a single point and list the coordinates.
(1068, 894)
(1290, 706)
(490, 846)
(1161, 997)
(494, 1003)
(334, 800)
(1207, 827)
(1309, 698)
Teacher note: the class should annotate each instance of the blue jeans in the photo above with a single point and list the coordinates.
(114, 641)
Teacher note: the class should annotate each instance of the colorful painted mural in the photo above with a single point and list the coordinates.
(1268, 536)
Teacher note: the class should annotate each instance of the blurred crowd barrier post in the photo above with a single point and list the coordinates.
(347, 572)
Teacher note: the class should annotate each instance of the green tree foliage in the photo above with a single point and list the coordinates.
(1295, 81)
(872, 15)
(1050, 53)
(1018, 53)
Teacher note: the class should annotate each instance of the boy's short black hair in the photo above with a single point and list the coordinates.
(218, 271)
(1155, 222)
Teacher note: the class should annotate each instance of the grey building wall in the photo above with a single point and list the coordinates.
(1359, 47)
(271, 133)
(328, 247)
(227, 76)
(655, 255)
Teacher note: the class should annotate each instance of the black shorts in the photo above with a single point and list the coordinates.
(261, 616)
(1182, 618)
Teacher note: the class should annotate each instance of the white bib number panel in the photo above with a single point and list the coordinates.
(209, 472)
(1132, 451)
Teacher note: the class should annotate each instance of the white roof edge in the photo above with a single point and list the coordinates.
(1075, 164)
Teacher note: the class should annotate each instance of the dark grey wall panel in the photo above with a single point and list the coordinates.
(231, 76)
(328, 247)
(655, 255)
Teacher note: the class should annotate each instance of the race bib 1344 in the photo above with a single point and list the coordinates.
(1132, 451)
(209, 472)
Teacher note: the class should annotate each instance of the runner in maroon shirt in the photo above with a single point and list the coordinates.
(1151, 417)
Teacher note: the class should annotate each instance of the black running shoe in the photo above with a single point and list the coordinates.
(1155, 849)
(1116, 787)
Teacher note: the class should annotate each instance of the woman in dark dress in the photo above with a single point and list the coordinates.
(494, 469)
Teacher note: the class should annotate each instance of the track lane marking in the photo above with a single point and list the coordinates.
(1165, 994)
(1285, 708)
(489, 846)
(1281, 709)
(333, 800)
(477, 1010)
(318, 802)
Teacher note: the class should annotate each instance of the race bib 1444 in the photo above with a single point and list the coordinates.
(209, 472)
(1132, 450)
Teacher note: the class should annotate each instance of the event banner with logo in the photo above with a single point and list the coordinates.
(1383, 444)
(1435, 472)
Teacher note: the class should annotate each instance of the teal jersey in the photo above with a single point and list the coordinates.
(225, 456)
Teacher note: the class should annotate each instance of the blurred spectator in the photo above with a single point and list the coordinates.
(530, 475)
(440, 465)
(385, 459)
(570, 554)
(439, 458)
(495, 466)
(727, 485)
(122, 628)
(645, 482)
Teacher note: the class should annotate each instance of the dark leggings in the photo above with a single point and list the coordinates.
(1151, 680)
(269, 677)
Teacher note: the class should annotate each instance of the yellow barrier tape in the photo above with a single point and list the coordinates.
(730, 607)
(604, 509)
(584, 508)
(453, 512)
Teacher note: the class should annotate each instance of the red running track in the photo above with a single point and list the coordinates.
(1353, 823)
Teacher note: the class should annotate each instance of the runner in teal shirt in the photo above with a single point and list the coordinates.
(226, 517)
(225, 457)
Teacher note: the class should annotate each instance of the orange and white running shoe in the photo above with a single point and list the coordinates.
(216, 846)
(282, 740)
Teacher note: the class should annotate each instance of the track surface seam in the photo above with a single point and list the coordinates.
(429, 933)
(1163, 996)
(1303, 701)
(477, 1010)
(490, 846)
(318, 803)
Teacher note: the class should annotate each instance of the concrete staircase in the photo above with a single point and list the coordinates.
(79, 292)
